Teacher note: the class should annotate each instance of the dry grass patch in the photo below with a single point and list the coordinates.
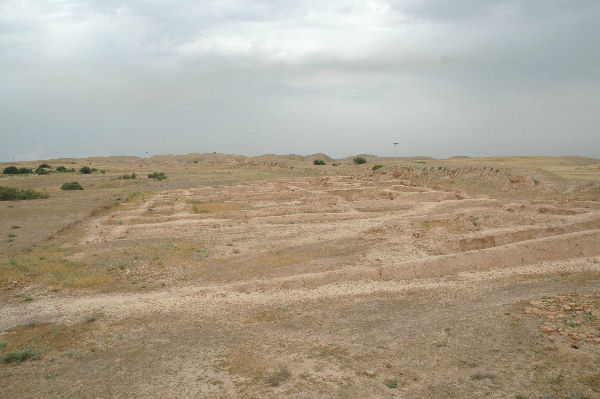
(53, 267)
(106, 270)
(450, 225)
(269, 264)
(28, 341)
(246, 361)
(218, 207)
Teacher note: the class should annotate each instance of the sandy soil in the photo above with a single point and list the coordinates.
(272, 277)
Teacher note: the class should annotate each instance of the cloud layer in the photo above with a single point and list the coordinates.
(475, 77)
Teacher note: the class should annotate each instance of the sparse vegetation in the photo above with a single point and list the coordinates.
(13, 194)
(86, 170)
(19, 355)
(376, 167)
(359, 160)
(483, 376)
(157, 175)
(279, 376)
(302, 232)
(319, 162)
(127, 177)
(72, 353)
(71, 186)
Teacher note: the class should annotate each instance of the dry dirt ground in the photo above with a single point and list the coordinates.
(271, 277)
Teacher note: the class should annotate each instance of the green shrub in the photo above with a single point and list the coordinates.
(13, 170)
(19, 355)
(335, 164)
(71, 186)
(127, 177)
(44, 166)
(391, 384)
(13, 194)
(359, 160)
(41, 171)
(85, 170)
(62, 169)
(157, 175)
(377, 167)
(319, 162)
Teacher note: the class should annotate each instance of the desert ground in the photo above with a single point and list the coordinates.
(272, 277)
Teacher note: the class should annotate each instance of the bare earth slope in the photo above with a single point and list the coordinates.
(272, 277)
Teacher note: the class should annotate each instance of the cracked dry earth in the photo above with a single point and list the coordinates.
(323, 287)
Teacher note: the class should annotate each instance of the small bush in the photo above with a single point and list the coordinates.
(281, 375)
(391, 384)
(13, 170)
(359, 160)
(377, 167)
(19, 355)
(319, 162)
(335, 164)
(85, 170)
(71, 186)
(13, 194)
(127, 177)
(62, 169)
(157, 175)
(41, 171)
(44, 166)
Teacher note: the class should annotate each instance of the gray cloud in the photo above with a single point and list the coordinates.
(83, 78)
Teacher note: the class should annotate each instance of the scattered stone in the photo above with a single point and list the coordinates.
(527, 311)
(567, 307)
(507, 313)
(574, 346)
(548, 330)
(369, 373)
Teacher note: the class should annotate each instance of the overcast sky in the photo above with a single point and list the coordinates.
(441, 78)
